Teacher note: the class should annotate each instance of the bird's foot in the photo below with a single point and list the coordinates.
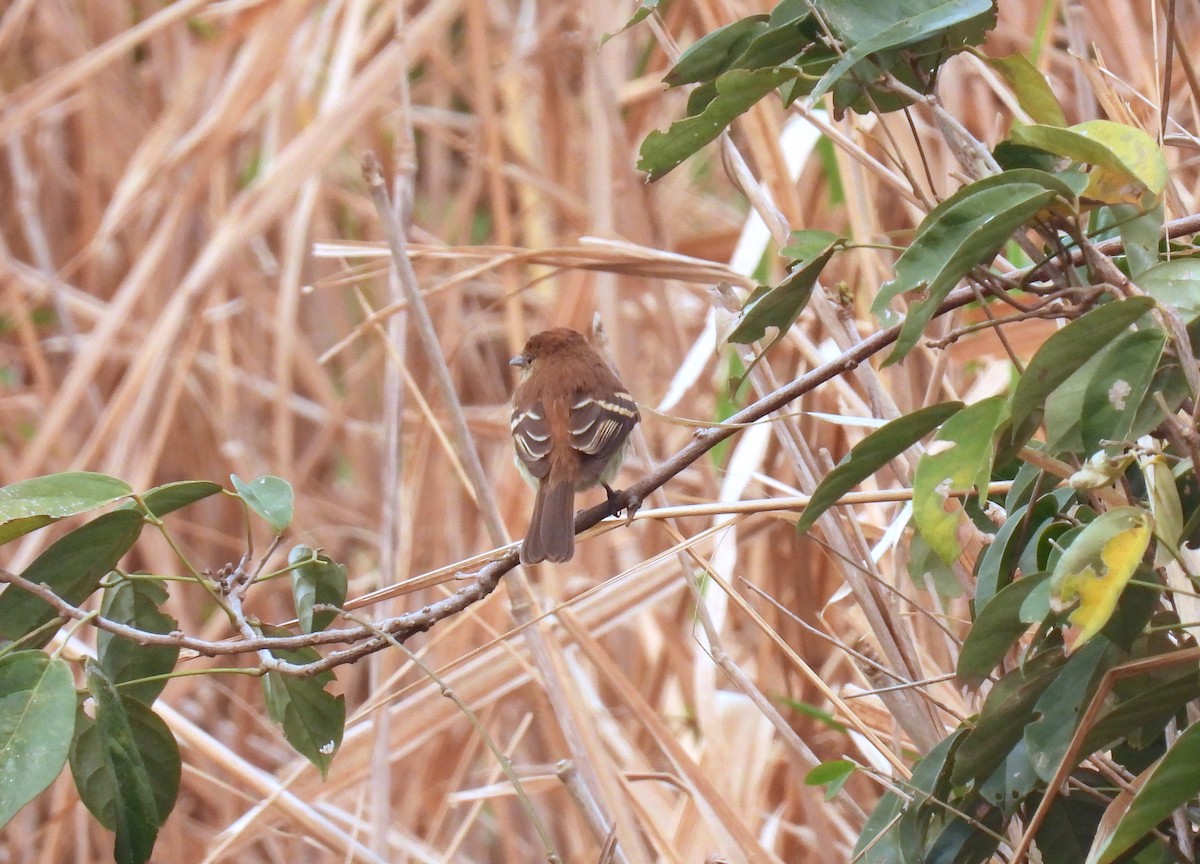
(614, 500)
(618, 501)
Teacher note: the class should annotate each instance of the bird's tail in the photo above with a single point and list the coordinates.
(551, 535)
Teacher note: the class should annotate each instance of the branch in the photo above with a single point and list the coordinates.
(364, 641)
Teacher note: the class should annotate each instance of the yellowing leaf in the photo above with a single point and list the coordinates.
(1128, 166)
(960, 458)
(1138, 156)
(1097, 567)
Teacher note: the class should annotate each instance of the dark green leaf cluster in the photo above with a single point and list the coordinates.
(853, 49)
(123, 757)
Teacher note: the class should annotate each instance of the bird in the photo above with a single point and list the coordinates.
(571, 419)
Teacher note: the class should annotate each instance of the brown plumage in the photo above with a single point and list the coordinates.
(570, 420)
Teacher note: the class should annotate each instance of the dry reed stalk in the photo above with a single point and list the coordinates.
(191, 284)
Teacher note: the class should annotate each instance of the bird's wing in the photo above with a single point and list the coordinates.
(600, 425)
(531, 436)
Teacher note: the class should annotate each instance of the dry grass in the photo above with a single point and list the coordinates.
(189, 280)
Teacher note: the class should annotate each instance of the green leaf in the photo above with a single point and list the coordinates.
(72, 568)
(1006, 710)
(737, 91)
(872, 453)
(37, 718)
(1069, 827)
(135, 808)
(270, 497)
(1012, 781)
(789, 33)
(999, 561)
(1029, 85)
(996, 629)
(1118, 386)
(159, 751)
(1036, 608)
(779, 306)
(1172, 782)
(803, 246)
(790, 38)
(868, 27)
(964, 840)
(964, 231)
(833, 774)
(813, 712)
(1167, 391)
(1009, 156)
(1141, 234)
(1148, 702)
(1060, 707)
(1128, 165)
(1063, 414)
(136, 602)
(1176, 284)
(960, 458)
(930, 787)
(1059, 357)
(316, 578)
(313, 719)
(1027, 482)
(162, 500)
(645, 7)
(30, 504)
(714, 53)
(1165, 506)
(880, 842)
(927, 570)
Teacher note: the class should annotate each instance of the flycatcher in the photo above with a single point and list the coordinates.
(571, 419)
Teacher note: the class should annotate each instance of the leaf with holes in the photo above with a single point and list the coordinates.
(958, 459)
(736, 92)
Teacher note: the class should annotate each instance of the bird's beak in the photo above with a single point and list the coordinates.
(520, 360)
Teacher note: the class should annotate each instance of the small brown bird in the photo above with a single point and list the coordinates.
(571, 420)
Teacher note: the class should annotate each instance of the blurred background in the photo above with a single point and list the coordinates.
(193, 284)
